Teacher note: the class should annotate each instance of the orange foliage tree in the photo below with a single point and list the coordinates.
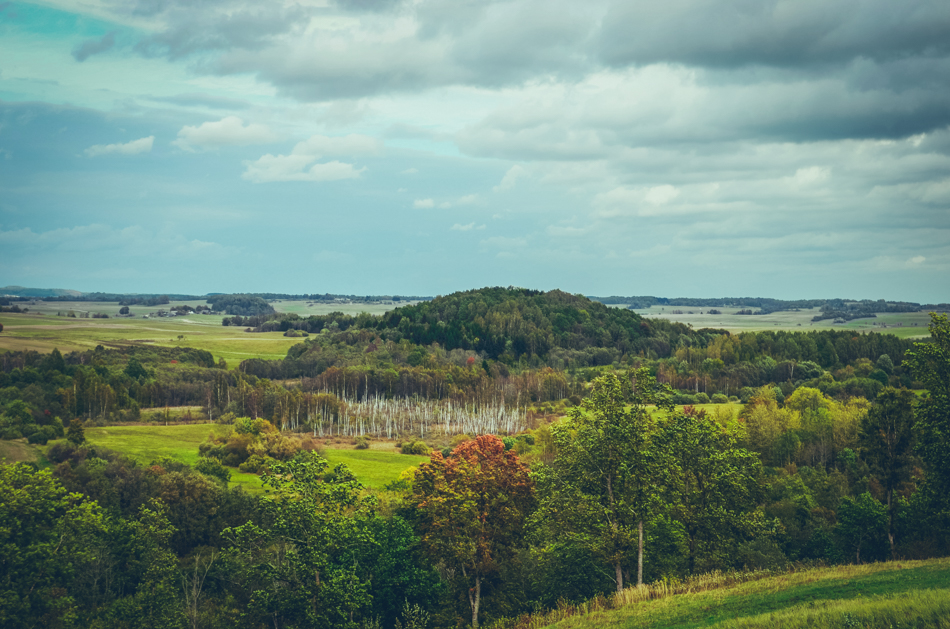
(472, 506)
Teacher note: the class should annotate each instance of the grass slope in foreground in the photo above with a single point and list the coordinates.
(373, 468)
(895, 594)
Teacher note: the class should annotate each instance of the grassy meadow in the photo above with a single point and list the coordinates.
(41, 329)
(904, 325)
(374, 467)
(885, 595)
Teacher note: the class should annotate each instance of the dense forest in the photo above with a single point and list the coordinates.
(569, 460)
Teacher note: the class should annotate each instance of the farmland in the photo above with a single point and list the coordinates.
(41, 329)
(903, 325)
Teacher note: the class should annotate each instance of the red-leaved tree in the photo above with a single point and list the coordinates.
(473, 506)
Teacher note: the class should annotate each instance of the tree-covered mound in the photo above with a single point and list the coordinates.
(244, 305)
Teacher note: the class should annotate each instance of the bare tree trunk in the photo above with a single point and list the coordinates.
(890, 521)
(619, 577)
(640, 555)
(474, 599)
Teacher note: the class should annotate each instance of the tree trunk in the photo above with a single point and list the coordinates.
(474, 600)
(640, 555)
(890, 521)
(619, 572)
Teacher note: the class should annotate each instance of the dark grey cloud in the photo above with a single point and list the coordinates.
(772, 32)
(204, 100)
(216, 26)
(94, 46)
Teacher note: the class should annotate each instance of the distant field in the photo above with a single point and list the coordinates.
(320, 308)
(145, 444)
(881, 595)
(19, 451)
(42, 330)
(904, 325)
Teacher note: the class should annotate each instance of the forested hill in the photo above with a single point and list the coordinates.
(507, 323)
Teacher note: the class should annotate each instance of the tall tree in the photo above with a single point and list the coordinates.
(713, 483)
(930, 365)
(473, 507)
(607, 460)
(887, 445)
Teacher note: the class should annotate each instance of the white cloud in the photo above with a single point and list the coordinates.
(229, 131)
(421, 204)
(463, 228)
(917, 260)
(510, 178)
(410, 171)
(661, 195)
(142, 145)
(271, 168)
(293, 167)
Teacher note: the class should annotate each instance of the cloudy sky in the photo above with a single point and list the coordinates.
(780, 148)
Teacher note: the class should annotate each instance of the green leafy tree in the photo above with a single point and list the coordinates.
(887, 443)
(930, 365)
(861, 520)
(712, 485)
(610, 468)
(46, 539)
(75, 433)
(301, 569)
(472, 508)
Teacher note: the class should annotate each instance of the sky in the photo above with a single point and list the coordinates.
(776, 148)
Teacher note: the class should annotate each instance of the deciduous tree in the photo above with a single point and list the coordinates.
(473, 506)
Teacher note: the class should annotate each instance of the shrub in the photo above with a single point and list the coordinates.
(720, 398)
(255, 464)
(683, 399)
(362, 443)
(702, 398)
(509, 442)
(415, 447)
(10, 433)
(446, 452)
(213, 468)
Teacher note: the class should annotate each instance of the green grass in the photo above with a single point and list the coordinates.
(151, 443)
(44, 332)
(905, 594)
(374, 468)
(904, 325)
(19, 451)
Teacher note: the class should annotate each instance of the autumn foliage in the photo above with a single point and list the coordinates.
(473, 506)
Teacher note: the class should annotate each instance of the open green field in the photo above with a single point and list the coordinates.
(374, 468)
(19, 451)
(895, 594)
(44, 332)
(904, 325)
(41, 329)
(306, 308)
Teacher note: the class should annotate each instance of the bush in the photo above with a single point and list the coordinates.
(701, 398)
(11, 433)
(213, 468)
(683, 399)
(720, 398)
(255, 464)
(362, 443)
(509, 442)
(446, 452)
(415, 447)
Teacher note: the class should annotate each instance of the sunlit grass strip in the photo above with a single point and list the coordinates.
(925, 608)
(659, 604)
